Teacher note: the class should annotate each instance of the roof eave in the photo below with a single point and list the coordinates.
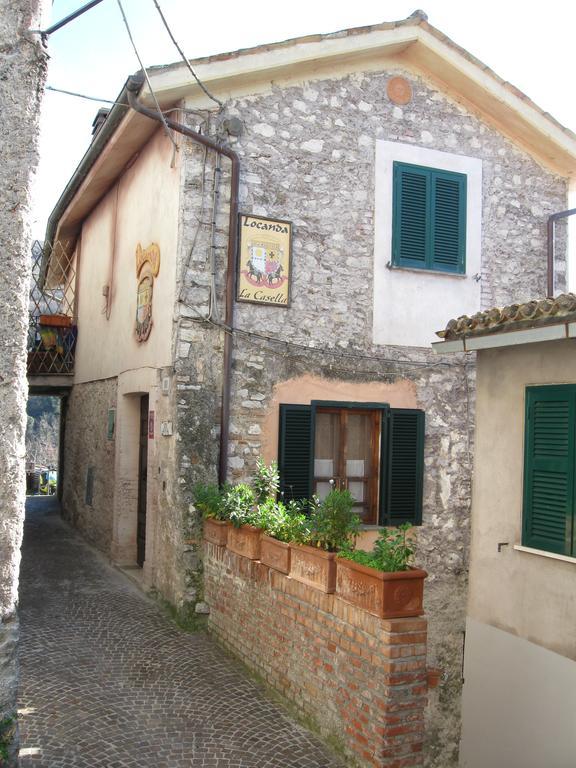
(417, 43)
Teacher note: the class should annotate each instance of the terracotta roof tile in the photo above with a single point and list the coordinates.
(530, 314)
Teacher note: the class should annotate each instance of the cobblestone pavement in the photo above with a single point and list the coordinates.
(107, 680)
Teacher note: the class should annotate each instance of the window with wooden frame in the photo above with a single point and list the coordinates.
(429, 218)
(374, 451)
(549, 510)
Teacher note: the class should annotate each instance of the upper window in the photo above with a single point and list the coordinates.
(549, 469)
(374, 451)
(429, 219)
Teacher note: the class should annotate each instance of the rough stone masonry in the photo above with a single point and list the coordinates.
(22, 73)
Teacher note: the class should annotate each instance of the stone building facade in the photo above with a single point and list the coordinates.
(321, 131)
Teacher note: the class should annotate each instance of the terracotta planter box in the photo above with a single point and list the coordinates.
(275, 554)
(216, 531)
(245, 541)
(313, 566)
(387, 595)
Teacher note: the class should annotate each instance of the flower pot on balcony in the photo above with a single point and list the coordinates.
(55, 321)
(313, 566)
(216, 531)
(389, 595)
(275, 554)
(245, 541)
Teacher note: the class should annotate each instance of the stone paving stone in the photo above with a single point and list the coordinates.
(107, 680)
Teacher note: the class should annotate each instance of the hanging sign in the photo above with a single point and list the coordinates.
(147, 268)
(264, 261)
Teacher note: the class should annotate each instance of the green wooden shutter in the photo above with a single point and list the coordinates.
(402, 467)
(549, 454)
(448, 221)
(294, 451)
(429, 218)
(411, 214)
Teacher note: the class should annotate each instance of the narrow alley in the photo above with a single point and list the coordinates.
(107, 680)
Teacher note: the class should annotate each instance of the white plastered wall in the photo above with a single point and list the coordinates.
(518, 703)
(410, 303)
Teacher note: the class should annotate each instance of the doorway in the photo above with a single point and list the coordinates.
(142, 482)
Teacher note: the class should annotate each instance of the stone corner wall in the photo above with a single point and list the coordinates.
(361, 679)
(23, 63)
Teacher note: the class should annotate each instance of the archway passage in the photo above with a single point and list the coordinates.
(44, 433)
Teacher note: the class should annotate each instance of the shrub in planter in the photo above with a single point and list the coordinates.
(266, 481)
(382, 581)
(332, 525)
(243, 535)
(281, 525)
(208, 499)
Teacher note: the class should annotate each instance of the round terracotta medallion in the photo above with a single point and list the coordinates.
(399, 90)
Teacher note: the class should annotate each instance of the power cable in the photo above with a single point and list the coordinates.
(415, 365)
(184, 59)
(143, 68)
(83, 96)
(185, 110)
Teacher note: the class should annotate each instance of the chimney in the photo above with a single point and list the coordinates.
(99, 120)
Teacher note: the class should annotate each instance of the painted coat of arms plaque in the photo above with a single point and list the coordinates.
(147, 268)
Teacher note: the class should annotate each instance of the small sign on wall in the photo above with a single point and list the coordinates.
(151, 425)
(264, 262)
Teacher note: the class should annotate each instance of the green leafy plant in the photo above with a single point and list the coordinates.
(266, 481)
(7, 731)
(392, 551)
(208, 499)
(239, 505)
(281, 522)
(333, 524)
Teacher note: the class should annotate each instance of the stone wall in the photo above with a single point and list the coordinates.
(361, 679)
(86, 445)
(308, 155)
(22, 74)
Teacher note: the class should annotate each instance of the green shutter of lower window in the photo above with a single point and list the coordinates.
(294, 451)
(549, 454)
(402, 467)
(448, 221)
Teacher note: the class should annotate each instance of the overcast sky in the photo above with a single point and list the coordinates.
(92, 55)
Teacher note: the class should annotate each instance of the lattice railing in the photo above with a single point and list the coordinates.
(52, 330)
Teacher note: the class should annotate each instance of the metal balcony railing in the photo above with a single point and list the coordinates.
(52, 331)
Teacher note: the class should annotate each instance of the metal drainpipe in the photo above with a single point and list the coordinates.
(550, 274)
(133, 87)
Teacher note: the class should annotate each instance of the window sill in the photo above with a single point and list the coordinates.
(419, 270)
(543, 553)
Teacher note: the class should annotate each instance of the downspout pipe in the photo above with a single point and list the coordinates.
(550, 247)
(133, 87)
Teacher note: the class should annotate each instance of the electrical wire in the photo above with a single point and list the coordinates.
(414, 365)
(143, 68)
(203, 113)
(83, 96)
(184, 59)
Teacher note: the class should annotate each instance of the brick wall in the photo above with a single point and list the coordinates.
(360, 678)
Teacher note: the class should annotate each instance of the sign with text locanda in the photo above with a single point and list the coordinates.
(264, 261)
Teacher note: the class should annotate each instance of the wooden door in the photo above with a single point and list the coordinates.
(142, 482)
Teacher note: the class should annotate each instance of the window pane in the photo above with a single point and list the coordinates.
(327, 444)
